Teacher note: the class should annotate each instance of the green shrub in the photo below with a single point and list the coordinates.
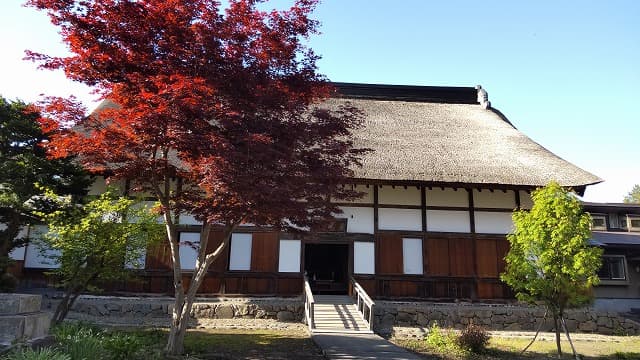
(81, 341)
(474, 338)
(45, 353)
(444, 341)
(122, 346)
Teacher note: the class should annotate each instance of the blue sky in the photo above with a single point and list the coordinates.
(566, 73)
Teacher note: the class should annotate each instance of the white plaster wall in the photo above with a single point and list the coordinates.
(240, 258)
(496, 199)
(186, 219)
(359, 219)
(34, 258)
(447, 197)
(412, 256)
(399, 195)
(525, 200)
(364, 257)
(98, 187)
(289, 258)
(493, 222)
(189, 247)
(399, 219)
(448, 221)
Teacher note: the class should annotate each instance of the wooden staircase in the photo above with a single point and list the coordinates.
(338, 314)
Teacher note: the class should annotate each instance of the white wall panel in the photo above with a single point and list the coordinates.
(359, 219)
(448, 221)
(367, 196)
(36, 259)
(493, 222)
(189, 247)
(399, 195)
(412, 256)
(399, 219)
(188, 220)
(447, 197)
(240, 258)
(364, 260)
(525, 200)
(496, 199)
(289, 259)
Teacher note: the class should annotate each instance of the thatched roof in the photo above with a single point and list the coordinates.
(444, 135)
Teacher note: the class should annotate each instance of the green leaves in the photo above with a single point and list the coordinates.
(550, 259)
(97, 239)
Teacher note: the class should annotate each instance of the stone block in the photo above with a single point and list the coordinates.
(11, 304)
(587, 326)
(224, 312)
(285, 316)
(24, 326)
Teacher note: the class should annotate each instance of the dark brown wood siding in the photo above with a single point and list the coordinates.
(389, 253)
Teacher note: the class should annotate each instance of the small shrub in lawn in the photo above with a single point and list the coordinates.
(443, 341)
(474, 338)
(122, 346)
(40, 354)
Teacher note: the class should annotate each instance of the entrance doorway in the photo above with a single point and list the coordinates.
(327, 267)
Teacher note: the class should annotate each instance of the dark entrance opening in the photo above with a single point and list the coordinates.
(327, 267)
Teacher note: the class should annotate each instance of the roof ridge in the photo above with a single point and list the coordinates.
(419, 93)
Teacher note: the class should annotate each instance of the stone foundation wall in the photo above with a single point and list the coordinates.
(281, 309)
(496, 317)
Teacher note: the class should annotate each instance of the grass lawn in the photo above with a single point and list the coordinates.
(91, 342)
(509, 348)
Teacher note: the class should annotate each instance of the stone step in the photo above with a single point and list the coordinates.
(12, 304)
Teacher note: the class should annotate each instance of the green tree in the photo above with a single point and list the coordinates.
(633, 197)
(95, 242)
(550, 261)
(23, 165)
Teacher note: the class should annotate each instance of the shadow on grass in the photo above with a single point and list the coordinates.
(215, 344)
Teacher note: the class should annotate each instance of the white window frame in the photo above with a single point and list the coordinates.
(599, 216)
(364, 257)
(410, 256)
(240, 252)
(289, 256)
(610, 280)
(633, 217)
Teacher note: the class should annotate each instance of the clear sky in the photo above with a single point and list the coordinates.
(566, 73)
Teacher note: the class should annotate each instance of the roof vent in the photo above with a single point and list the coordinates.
(483, 97)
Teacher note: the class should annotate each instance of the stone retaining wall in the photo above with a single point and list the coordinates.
(496, 317)
(281, 309)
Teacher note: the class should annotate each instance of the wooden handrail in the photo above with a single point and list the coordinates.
(364, 303)
(309, 304)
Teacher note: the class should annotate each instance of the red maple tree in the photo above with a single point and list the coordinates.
(222, 99)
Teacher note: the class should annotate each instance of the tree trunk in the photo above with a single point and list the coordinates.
(184, 302)
(556, 322)
(70, 297)
(175, 344)
(566, 331)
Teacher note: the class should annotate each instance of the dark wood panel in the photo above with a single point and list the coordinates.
(461, 257)
(264, 252)
(490, 290)
(502, 246)
(215, 239)
(389, 253)
(404, 289)
(158, 256)
(487, 257)
(259, 286)
(437, 256)
(210, 285)
(289, 286)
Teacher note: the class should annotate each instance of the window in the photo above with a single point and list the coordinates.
(189, 247)
(289, 260)
(598, 222)
(617, 221)
(613, 268)
(240, 258)
(412, 256)
(364, 261)
(634, 222)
